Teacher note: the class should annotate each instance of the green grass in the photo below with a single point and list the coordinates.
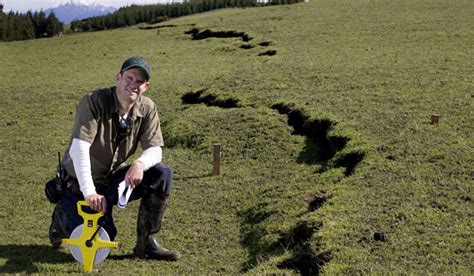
(376, 70)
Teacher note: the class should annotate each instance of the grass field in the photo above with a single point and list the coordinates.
(330, 162)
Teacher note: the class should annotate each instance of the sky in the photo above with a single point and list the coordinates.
(34, 5)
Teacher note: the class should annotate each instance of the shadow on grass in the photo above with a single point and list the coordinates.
(23, 258)
(305, 261)
(122, 257)
(252, 237)
(297, 240)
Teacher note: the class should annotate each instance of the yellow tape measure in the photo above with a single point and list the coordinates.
(89, 243)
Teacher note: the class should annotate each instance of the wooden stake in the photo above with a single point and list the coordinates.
(216, 156)
(435, 119)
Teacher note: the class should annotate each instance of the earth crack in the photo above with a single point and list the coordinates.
(198, 34)
(201, 97)
(320, 147)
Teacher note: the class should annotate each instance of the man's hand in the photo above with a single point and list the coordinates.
(97, 203)
(134, 175)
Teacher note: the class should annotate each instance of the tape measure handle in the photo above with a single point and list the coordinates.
(82, 213)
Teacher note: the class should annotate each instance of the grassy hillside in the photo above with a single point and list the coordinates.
(330, 161)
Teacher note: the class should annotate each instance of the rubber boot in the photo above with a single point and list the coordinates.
(56, 230)
(150, 216)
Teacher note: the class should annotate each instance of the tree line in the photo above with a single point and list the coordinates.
(152, 14)
(16, 26)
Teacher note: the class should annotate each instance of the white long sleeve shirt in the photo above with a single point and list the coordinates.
(79, 153)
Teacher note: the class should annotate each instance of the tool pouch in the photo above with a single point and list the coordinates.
(54, 190)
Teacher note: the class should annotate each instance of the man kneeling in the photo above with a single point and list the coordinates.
(109, 125)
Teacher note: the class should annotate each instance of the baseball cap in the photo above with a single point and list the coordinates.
(137, 62)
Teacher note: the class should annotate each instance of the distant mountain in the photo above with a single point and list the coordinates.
(74, 10)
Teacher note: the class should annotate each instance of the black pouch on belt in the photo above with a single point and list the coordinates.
(54, 190)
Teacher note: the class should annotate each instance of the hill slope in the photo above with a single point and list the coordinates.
(330, 161)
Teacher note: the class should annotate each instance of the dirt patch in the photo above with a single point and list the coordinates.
(265, 43)
(391, 157)
(12, 122)
(300, 234)
(246, 46)
(350, 162)
(380, 236)
(466, 198)
(307, 263)
(268, 53)
(208, 99)
(314, 201)
(198, 34)
(304, 259)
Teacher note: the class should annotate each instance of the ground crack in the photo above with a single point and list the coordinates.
(198, 34)
(300, 234)
(268, 53)
(157, 27)
(307, 263)
(304, 259)
(320, 147)
(316, 200)
(198, 97)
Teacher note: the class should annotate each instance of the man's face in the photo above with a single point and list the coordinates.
(130, 85)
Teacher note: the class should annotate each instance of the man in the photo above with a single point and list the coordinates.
(109, 125)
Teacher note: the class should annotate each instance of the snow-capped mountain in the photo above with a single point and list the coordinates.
(74, 10)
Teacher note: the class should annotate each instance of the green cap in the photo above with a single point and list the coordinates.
(137, 62)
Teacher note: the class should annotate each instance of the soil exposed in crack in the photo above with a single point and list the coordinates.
(265, 43)
(300, 234)
(198, 97)
(320, 145)
(198, 34)
(317, 131)
(304, 259)
(307, 263)
(316, 200)
(268, 53)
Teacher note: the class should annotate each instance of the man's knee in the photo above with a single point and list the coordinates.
(160, 179)
(163, 168)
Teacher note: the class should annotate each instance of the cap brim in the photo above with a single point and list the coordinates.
(142, 69)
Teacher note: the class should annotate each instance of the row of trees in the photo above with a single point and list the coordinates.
(16, 26)
(152, 14)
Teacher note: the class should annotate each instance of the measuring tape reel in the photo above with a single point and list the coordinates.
(89, 243)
